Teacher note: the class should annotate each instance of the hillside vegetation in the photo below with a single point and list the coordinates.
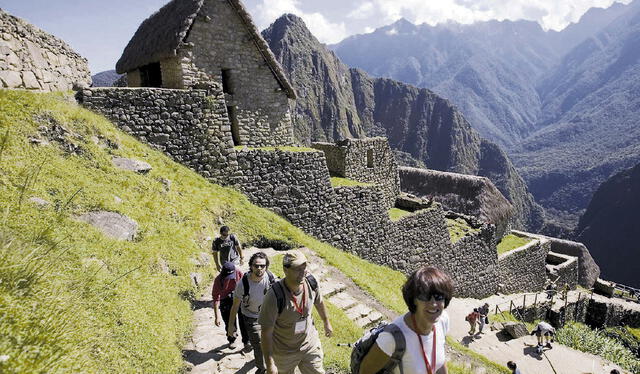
(73, 300)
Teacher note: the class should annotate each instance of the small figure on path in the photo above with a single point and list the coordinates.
(483, 318)
(426, 293)
(289, 337)
(472, 318)
(227, 248)
(248, 297)
(544, 330)
(513, 367)
(222, 295)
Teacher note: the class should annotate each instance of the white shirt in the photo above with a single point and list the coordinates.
(413, 360)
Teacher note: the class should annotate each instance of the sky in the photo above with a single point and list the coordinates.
(100, 29)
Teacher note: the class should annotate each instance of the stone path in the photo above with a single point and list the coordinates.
(565, 360)
(208, 352)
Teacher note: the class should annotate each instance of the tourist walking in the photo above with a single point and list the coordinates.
(513, 367)
(222, 295)
(427, 292)
(544, 331)
(289, 337)
(248, 297)
(227, 247)
(472, 318)
(483, 318)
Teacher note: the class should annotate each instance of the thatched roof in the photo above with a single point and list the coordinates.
(160, 36)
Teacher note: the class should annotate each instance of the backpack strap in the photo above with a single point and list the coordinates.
(401, 347)
(279, 292)
(313, 283)
(245, 284)
(272, 278)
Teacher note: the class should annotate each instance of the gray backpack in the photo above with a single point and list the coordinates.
(364, 344)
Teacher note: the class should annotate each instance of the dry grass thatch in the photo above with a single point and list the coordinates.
(468, 194)
(160, 36)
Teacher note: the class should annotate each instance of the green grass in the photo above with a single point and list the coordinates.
(511, 242)
(582, 338)
(634, 331)
(282, 149)
(346, 182)
(396, 213)
(508, 317)
(89, 303)
(458, 229)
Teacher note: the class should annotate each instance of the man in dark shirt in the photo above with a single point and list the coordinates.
(227, 247)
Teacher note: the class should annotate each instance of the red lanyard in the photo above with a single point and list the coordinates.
(299, 309)
(430, 368)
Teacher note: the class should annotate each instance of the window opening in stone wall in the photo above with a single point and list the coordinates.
(233, 119)
(370, 158)
(151, 75)
(227, 83)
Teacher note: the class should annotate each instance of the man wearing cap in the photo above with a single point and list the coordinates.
(289, 338)
(222, 294)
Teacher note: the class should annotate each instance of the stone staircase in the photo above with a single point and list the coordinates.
(336, 293)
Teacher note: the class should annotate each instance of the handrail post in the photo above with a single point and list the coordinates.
(535, 301)
(511, 306)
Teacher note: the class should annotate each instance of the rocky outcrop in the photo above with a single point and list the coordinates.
(610, 225)
(33, 59)
(112, 225)
(335, 102)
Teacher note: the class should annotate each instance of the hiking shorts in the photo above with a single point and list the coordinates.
(309, 362)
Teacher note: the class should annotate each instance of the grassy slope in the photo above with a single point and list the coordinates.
(511, 242)
(75, 300)
(340, 182)
(396, 213)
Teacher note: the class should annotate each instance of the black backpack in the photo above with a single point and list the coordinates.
(364, 344)
(245, 283)
(279, 291)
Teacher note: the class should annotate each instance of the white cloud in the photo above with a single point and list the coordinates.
(393, 31)
(326, 31)
(551, 14)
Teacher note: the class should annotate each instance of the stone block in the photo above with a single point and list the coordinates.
(343, 300)
(30, 80)
(113, 225)
(10, 79)
(516, 329)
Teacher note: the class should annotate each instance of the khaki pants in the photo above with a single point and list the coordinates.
(309, 362)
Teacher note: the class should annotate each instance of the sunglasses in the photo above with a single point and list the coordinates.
(259, 266)
(437, 296)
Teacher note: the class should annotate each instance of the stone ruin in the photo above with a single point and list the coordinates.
(212, 95)
(35, 60)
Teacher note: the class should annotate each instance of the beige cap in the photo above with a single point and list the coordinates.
(294, 259)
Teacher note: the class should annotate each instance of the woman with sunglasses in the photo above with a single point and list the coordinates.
(427, 293)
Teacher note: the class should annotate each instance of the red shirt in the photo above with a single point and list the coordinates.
(223, 288)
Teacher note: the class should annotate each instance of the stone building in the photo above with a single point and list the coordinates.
(35, 60)
(193, 43)
(368, 160)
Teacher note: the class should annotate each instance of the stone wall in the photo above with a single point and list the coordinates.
(368, 160)
(523, 269)
(190, 126)
(355, 219)
(33, 59)
(564, 267)
(588, 270)
(219, 40)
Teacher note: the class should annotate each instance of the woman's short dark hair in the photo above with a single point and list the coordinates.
(512, 365)
(427, 281)
(256, 256)
(224, 229)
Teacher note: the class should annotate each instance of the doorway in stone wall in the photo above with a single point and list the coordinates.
(370, 158)
(235, 127)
